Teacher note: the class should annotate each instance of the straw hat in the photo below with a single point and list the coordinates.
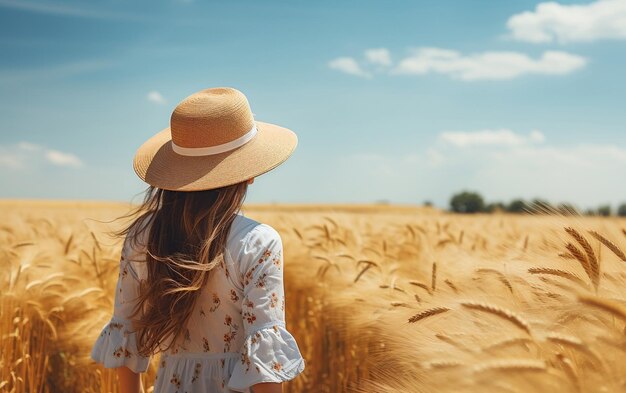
(213, 141)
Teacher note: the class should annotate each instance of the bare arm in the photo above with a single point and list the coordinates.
(267, 387)
(130, 381)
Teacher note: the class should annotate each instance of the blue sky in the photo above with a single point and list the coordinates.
(405, 101)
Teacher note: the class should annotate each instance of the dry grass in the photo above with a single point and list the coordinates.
(512, 303)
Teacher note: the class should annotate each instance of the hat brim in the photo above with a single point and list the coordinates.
(157, 164)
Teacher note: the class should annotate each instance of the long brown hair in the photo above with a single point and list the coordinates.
(186, 239)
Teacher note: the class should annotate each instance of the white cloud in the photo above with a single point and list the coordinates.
(379, 56)
(551, 21)
(9, 160)
(156, 97)
(583, 174)
(490, 65)
(28, 146)
(537, 136)
(349, 66)
(25, 154)
(62, 159)
(487, 65)
(499, 137)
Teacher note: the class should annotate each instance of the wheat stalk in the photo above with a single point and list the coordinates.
(507, 342)
(572, 342)
(557, 272)
(569, 370)
(607, 305)
(442, 364)
(433, 282)
(499, 312)
(427, 313)
(512, 365)
(610, 245)
(449, 340)
(590, 262)
(24, 244)
(366, 268)
(68, 244)
(525, 243)
(421, 285)
(505, 281)
(451, 285)
(580, 257)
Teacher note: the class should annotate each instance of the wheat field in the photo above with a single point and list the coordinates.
(379, 298)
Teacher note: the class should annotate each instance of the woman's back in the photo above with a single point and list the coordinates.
(235, 336)
(193, 268)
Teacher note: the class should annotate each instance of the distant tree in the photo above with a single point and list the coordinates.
(467, 202)
(591, 212)
(427, 204)
(495, 207)
(604, 210)
(517, 206)
(621, 210)
(567, 209)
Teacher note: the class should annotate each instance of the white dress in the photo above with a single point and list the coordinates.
(236, 336)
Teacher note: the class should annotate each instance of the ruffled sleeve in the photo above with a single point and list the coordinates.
(269, 352)
(117, 346)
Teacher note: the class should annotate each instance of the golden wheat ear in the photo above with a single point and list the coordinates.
(609, 244)
(499, 312)
(558, 272)
(428, 313)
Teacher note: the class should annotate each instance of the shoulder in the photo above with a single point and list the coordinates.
(250, 239)
(248, 232)
(136, 240)
(135, 246)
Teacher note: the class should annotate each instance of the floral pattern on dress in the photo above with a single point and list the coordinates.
(260, 282)
(216, 302)
(233, 296)
(245, 359)
(175, 380)
(243, 316)
(277, 259)
(248, 277)
(122, 351)
(196, 372)
(116, 325)
(248, 314)
(229, 336)
(222, 265)
(255, 338)
(273, 299)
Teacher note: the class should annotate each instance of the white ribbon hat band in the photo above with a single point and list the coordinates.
(211, 150)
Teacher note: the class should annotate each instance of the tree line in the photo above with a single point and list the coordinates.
(473, 202)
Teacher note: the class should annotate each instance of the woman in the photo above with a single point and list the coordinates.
(199, 282)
